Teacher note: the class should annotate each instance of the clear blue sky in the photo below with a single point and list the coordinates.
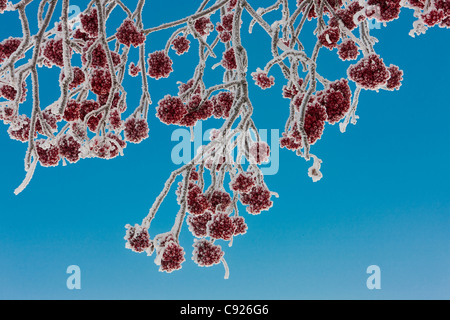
(384, 198)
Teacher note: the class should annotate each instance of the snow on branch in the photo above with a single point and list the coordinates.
(88, 119)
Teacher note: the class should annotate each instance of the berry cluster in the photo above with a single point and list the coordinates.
(128, 34)
(89, 23)
(369, 73)
(262, 80)
(8, 47)
(229, 59)
(3, 5)
(181, 45)
(53, 52)
(348, 50)
(203, 26)
(159, 65)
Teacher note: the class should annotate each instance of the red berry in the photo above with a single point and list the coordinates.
(117, 143)
(128, 34)
(369, 73)
(291, 91)
(98, 57)
(159, 65)
(171, 110)
(388, 9)
(222, 103)
(314, 123)
(48, 153)
(3, 5)
(240, 225)
(78, 130)
(395, 78)
(231, 5)
(136, 130)
(72, 111)
(78, 77)
(184, 87)
(227, 21)
(101, 81)
(315, 118)
(89, 22)
(206, 254)
(203, 26)
(347, 16)
(106, 147)
(138, 239)
(417, 3)
(19, 128)
(329, 37)
(53, 52)
(312, 12)
(219, 201)
(348, 50)
(80, 35)
(433, 17)
(445, 23)
(7, 113)
(443, 5)
(197, 203)
(221, 226)
(194, 175)
(69, 148)
(243, 182)
(50, 118)
(170, 254)
(262, 80)
(229, 59)
(257, 200)
(198, 224)
(288, 142)
(181, 45)
(133, 69)
(225, 36)
(87, 107)
(195, 113)
(172, 257)
(8, 92)
(336, 100)
(8, 47)
(115, 120)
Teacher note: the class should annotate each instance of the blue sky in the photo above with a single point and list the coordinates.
(383, 200)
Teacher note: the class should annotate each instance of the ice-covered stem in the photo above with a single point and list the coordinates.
(258, 14)
(159, 200)
(227, 270)
(186, 19)
(362, 44)
(68, 72)
(124, 8)
(169, 182)
(351, 114)
(302, 111)
(9, 64)
(28, 176)
(35, 83)
(145, 100)
(179, 219)
(104, 42)
(239, 50)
